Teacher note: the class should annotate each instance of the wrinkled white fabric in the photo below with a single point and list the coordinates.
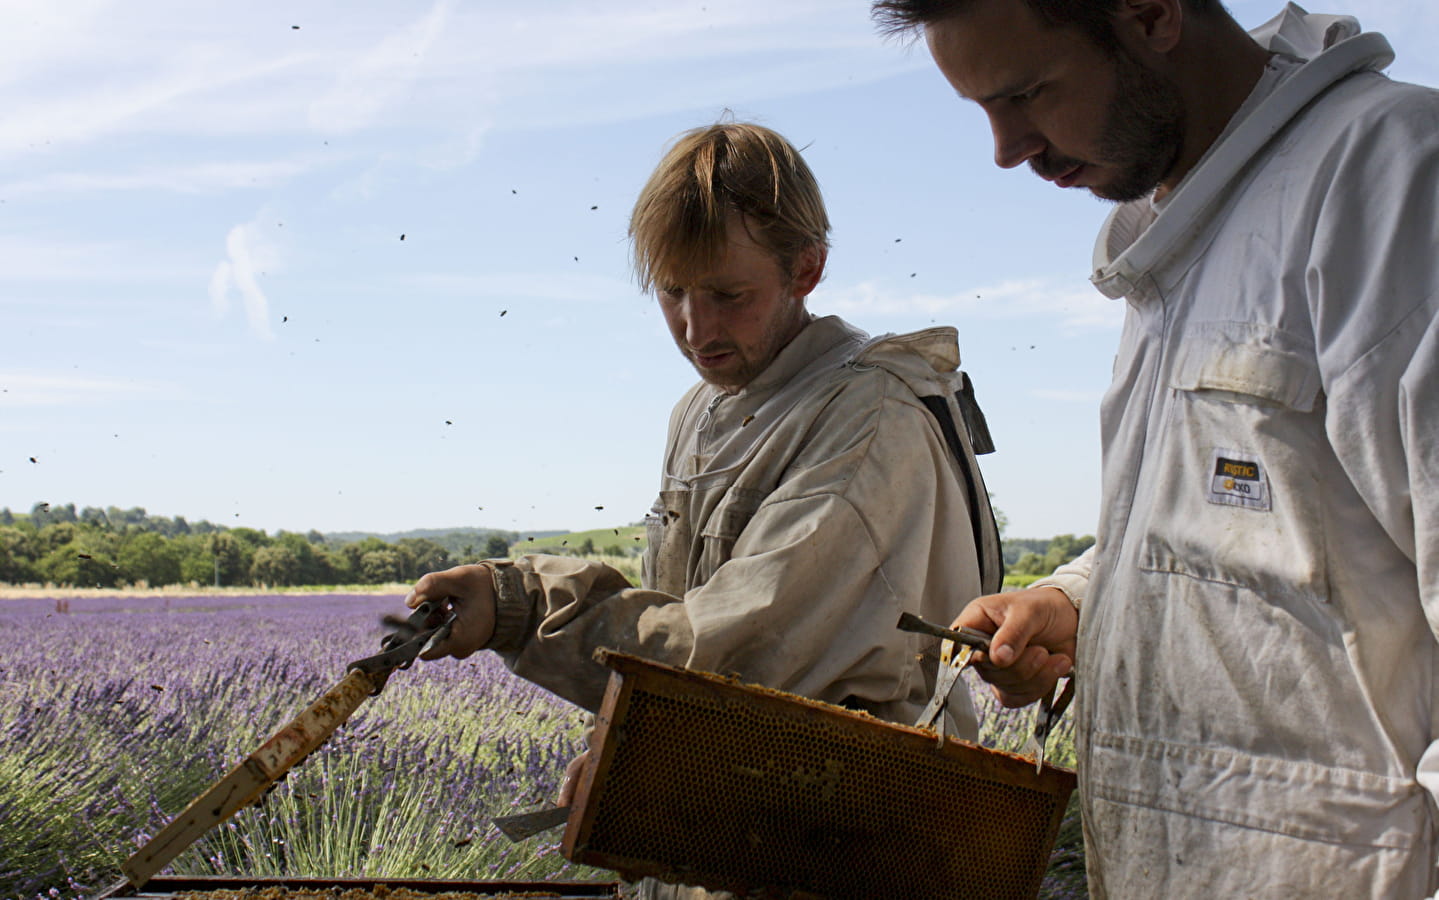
(1258, 659)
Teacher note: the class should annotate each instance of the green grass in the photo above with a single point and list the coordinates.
(1016, 581)
(626, 538)
(620, 547)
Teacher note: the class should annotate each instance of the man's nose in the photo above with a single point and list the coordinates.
(1015, 138)
(703, 323)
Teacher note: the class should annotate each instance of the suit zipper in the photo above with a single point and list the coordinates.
(703, 421)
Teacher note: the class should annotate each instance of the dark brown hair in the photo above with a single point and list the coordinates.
(1093, 18)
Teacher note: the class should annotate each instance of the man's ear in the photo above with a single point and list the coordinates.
(1153, 24)
(808, 270)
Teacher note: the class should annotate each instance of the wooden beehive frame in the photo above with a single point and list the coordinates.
(702, 780)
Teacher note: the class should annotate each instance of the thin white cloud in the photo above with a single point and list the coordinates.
(566, 63)
(582, 36)
(527, 286)
(38, 31)
(200, 178)
(113, 69)
(1073, 307)
(33, 389)
(249, 253)
(102, 69)
(50, 261)
(76, 111)
(447, 154)
(456, 152)
(380, 76)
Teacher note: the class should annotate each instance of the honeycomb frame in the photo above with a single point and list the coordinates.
(698, 779)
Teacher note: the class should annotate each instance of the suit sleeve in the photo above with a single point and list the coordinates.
(1373, 287)
(808, 600)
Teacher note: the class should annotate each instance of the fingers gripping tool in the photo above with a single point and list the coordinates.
(956, 651)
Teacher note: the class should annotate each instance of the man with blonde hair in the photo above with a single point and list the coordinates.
(815, 485)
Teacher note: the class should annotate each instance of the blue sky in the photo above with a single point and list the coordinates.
(362, 266)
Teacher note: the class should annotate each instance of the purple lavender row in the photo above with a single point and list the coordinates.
(118, 712)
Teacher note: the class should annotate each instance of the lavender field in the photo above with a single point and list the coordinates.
(118, 711)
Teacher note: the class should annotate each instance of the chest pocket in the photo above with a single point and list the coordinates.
(667, 550)
(1235, 486)
(675, 560)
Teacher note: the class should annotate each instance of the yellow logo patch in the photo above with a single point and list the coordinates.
(1237, 479)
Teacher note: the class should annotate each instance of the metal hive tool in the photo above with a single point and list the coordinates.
(700, 780)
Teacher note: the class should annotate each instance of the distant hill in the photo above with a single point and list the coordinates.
(459, 541)
(623, 540)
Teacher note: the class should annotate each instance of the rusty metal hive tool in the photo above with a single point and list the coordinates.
(1051, 707)
(251, 779)
(526, 825)
(952, 661)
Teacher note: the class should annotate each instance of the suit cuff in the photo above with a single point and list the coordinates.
(1073, 586)
(512, 607)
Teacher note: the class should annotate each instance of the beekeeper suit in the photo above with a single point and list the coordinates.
(796, 521)
(816, 483)
(1259, 670)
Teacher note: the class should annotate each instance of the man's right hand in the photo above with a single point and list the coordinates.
(469, 591)
(1032, 644)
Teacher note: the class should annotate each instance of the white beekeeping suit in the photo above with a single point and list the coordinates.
(1259, 617)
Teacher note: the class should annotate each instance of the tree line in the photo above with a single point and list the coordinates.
(1028, 556)
(111, 547)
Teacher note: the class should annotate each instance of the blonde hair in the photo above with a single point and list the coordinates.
(678, 226)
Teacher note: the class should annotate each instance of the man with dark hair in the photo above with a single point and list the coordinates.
(1254, 634)
(810, 494)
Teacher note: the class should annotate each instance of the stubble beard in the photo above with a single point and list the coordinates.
(779, 331)
(1142, 136)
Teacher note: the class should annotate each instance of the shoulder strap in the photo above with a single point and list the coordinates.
(973, 416)
(981, 515)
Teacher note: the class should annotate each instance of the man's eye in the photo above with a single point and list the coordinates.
(1027, 95)
(726, 296)
(672, 292)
